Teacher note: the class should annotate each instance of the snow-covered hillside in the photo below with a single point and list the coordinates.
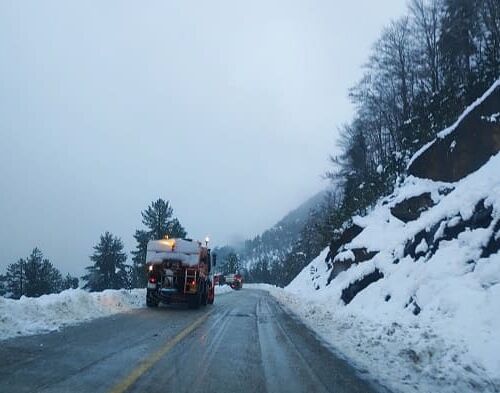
(411, 291)
(275, 243)
(436, 311)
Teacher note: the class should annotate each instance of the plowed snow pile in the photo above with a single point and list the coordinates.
(50, 312)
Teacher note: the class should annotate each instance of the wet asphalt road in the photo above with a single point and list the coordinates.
(245, 343)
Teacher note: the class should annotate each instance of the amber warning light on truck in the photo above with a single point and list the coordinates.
(169, 243)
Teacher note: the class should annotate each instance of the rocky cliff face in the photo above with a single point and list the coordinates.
(464, 147)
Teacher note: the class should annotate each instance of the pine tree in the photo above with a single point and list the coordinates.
(138, 272)
(175, 229)
(70, 282)
(109, 269)
(33, 276)
(41, 276)
(260, 272)
(159, 221)
(3, 286)
(15, 281)
(156, 218)
(231, 264)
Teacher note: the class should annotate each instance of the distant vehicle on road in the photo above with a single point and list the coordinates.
(179, 271)
(235, 281)
(219, 279)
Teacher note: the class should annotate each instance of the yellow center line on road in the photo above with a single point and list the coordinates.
(146, 365)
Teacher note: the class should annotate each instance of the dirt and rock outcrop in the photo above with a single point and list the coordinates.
(465, 146)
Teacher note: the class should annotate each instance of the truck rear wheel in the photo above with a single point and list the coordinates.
(151, 299)
(211, 298)
(195, 300)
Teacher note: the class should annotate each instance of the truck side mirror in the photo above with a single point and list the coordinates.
(214, 259)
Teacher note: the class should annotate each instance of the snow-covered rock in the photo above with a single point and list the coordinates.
(411, 208)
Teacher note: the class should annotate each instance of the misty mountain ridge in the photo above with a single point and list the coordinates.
(277, 241)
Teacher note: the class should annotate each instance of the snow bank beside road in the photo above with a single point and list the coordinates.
(47, 313)
(222, 289)
(404, 357)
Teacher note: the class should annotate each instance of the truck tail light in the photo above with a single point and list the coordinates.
(191, 286)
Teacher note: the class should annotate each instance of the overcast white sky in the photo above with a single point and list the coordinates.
(227, 108)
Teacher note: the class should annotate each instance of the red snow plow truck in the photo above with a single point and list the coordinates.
(179, 271)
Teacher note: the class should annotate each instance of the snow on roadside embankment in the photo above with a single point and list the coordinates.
(430, 320)
(47, 313)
